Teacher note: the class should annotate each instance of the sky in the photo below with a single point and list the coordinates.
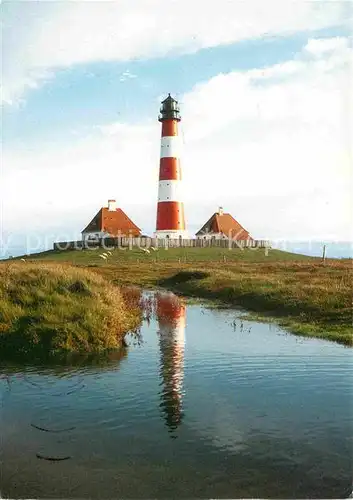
(266, 103)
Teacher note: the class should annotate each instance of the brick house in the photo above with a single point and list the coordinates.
(222, 226)
(110, 222)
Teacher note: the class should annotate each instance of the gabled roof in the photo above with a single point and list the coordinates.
(113, 222)
(225, 224)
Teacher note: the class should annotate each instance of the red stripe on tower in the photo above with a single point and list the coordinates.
(170, 208)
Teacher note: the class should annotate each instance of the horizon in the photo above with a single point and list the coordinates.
(334, 249)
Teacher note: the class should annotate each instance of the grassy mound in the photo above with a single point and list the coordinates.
(51, 309)
(184, 277)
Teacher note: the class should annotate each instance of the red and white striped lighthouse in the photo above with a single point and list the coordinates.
(170, 208)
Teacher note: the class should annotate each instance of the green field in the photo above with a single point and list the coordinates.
(303, 294)
(187, 255)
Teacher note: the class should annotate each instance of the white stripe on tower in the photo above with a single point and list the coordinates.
(169, 191)
(170, 147)
(170, 208)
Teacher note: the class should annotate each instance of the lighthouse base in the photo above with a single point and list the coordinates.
(172, 234)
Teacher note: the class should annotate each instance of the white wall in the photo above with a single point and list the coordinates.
(94, 235)
(172, 234)
(210, 236)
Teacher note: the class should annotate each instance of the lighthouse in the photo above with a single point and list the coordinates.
(170, 207)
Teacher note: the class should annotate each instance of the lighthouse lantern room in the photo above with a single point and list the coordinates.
(170, 207)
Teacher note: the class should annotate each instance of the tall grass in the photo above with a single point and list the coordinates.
(52, 308)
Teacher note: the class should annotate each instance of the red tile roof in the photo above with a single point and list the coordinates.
(113, 222)
(225, 224)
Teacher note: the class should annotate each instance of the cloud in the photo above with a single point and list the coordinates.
(13, 88)
(272, 146)
(276, 138)
(43, 36)
(318, 47)
(126, 75)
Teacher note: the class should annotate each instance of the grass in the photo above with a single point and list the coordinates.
(300, 293)
(307, 298)
(50, 308)
(173, 255)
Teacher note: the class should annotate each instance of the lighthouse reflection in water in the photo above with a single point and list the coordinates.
(171, 317)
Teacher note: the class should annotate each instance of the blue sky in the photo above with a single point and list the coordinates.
(262, 94)
(85, 95)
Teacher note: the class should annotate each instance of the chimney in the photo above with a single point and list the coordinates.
(220, 211)
(111, 205)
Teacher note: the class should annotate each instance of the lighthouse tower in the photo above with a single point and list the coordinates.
(170, 208)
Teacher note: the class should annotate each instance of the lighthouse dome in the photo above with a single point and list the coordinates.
(169, 110)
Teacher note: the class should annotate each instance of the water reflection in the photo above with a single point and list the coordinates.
(171, 313)
(63, 365)
(265, 416)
